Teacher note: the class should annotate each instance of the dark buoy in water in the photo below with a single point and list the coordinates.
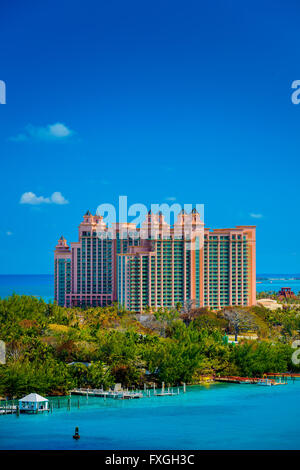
(76, 435)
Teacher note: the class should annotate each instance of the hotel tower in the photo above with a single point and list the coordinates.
(156, 265)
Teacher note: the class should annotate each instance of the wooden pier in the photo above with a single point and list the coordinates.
(8, 409)
(122, 394)
(166, 393)
(125, 394)
(285, 374)
(253, 380)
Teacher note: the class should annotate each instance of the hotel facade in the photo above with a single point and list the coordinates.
(156, 265)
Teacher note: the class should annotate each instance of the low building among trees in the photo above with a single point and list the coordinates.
(33, 403)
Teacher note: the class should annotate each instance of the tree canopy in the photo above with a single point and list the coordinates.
(51, 349)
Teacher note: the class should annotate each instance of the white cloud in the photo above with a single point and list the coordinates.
(256, 216)
(58, 198)
(33, 199)
(57, 131)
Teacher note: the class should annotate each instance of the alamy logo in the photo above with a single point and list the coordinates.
(2, 92)
(2, 352)
(295, 96)
(295, 355)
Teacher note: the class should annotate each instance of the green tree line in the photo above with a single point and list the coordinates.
(51, 349)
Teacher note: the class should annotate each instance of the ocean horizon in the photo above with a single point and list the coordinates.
(42, 285)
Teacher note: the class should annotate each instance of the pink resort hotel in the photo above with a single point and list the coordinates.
(156, 265)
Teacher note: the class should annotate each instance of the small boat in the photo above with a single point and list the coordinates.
(265, 382)
(129, 395)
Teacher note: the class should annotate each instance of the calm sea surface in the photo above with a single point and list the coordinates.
(39, 285)
(42, 285)
(219, 416)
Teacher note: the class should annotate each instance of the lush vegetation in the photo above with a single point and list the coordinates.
(51, 349)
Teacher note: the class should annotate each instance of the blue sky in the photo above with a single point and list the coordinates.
(189, 100)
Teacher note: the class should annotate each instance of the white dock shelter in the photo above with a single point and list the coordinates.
(33, 403)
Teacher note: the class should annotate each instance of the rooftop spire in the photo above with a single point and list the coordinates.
(62, 244)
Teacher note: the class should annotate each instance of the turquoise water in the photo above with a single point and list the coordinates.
(274, 285)
(39, 285)
(219, 416)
